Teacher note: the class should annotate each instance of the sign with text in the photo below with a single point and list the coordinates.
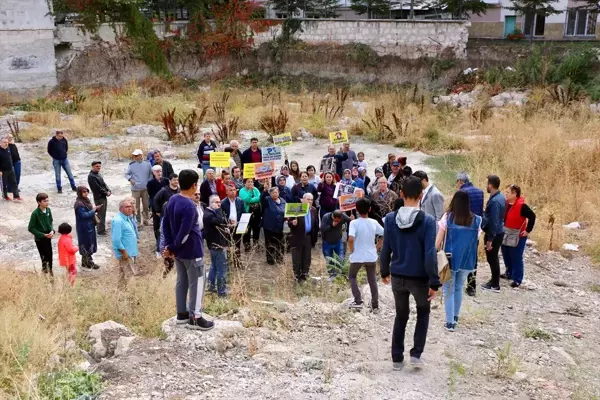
(295, 210)
(328, 164)
(248, 170)
(220, 159)
(271, 153)
(338, 137)
(264, 170)
(285, 139)
(343, 188)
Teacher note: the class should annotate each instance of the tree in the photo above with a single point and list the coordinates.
(534, 8)
(372, 8)
(326, 8)
(291, 7)
(462, 9)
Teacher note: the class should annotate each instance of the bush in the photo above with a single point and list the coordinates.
(69, 385)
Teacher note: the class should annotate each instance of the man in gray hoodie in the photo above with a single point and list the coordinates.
(139, 172)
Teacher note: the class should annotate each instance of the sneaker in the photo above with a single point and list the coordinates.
(455, 321)
(355, 305)
(59, 191)
(182, 318)
(504, 276)
(375, 310)
(74, 188)
(450, 327)
(18, 199)
(102, 234)
(471, 292)
(397, 366)
(416, 362)
(158, 255)
(95, 266)
(200, 324)
(515, 285)
(7, 198)
(489, 287)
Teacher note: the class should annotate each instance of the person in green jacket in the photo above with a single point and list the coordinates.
(251, 198)
(40, 225)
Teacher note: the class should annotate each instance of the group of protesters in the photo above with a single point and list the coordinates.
(398, 217)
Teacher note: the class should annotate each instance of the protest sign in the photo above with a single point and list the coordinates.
(338, 137)
(220, 159)
(285, 139)
(348, 201)
(342, 189)
(242, 226)
(264, 170)
(248, 170)
(295, 210)
(328, 165)
(271, 153)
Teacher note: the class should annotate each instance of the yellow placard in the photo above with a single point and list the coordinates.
(220, 159)
(338, 137)
(285, 139)
(249, 170)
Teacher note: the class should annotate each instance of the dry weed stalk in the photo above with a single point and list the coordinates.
(274, 124)
(13, 125)
(564, 96)
(220, 107)
(378, 125)
(226, 131)
(107, 115)
(184, 131)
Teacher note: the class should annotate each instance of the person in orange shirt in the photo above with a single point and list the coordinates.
(67, 251)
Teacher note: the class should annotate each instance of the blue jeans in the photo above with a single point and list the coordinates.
(453, 294)
(57, 164)
(17, 167)
(218, 272)
(329, 250)
(513, 260)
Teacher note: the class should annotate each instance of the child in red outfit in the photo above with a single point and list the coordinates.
(66, 252)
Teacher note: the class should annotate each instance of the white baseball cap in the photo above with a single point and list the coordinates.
(137, 152)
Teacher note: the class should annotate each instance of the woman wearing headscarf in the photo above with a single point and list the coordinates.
(284, 192)
(371, 187)
(289, 179)
(85, 223)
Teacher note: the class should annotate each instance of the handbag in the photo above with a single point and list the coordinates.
(512, 236)
(96, 219)
(443, 264)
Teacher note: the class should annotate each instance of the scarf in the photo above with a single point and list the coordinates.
(82, 201)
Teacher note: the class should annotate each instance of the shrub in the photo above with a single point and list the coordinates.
(67, 385)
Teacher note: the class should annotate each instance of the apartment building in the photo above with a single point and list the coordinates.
(572, 23)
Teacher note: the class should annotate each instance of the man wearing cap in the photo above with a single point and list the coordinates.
(139, 172)
(396, 178)
(101, 192)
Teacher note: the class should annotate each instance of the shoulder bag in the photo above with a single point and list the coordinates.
(443, 262)
(512, 236)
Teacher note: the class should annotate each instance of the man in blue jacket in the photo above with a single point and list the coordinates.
(183, 240)
(463, 182)
(493, 226)
(408, 254)
(58, 147)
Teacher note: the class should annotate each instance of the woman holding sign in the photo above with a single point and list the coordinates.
(251, 198)
(274, 211)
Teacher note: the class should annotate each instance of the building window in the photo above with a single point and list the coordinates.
(581, 23)
(540, 24)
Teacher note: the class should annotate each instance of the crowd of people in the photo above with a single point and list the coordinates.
(399, 219)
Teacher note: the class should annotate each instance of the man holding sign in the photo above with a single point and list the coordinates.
(304, 233)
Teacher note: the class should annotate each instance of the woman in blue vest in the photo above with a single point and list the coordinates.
(458, 233)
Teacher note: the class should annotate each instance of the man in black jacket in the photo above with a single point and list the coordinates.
(158, 203)
(58, 147)
(215, 232)
(233, 208)
(7, 172)
(101, 193)
(253, 154)
(167, 168)
(304, 234)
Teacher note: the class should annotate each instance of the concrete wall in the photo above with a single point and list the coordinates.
(27, 61)
(406, 39)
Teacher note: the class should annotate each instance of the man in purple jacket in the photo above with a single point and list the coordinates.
(183, 240)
